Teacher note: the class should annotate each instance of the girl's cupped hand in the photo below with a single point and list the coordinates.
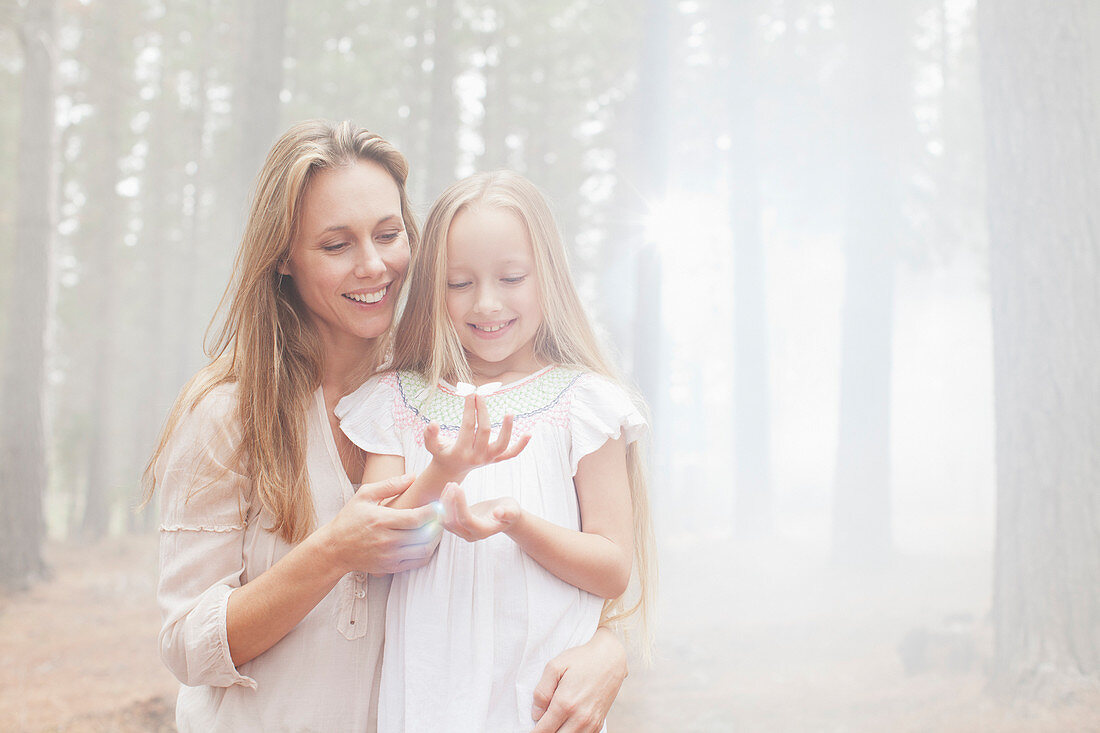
(484, 519)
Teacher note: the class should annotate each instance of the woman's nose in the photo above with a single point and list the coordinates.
(368, 263)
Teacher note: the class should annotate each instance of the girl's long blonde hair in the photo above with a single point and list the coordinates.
(426, 340)
(267, 344)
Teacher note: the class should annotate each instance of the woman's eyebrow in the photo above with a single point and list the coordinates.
(347, 227)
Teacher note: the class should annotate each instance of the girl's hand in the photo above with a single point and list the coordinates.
(484, 519)
(472, 448)
(366, 536)
(579, 685)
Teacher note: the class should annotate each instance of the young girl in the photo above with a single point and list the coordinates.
(540, 533)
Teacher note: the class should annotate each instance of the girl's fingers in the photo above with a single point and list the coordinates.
(484, 427)
(431, 438)
(469, 423)
(499, 445)
(514, 451)
(450, 511)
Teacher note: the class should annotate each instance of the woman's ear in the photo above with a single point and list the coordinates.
(284, 267)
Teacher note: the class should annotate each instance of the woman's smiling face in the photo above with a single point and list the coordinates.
(350, 253)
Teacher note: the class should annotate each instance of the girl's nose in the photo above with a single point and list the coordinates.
(487, 300)
(368, 263)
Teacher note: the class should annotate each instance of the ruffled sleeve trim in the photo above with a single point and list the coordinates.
(367, 415)
(600, 411)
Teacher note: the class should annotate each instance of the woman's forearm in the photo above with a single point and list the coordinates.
(364, 536)
(265, 609)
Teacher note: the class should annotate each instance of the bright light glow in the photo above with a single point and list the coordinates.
(687, 224)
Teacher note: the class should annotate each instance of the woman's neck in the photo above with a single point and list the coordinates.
(342, 364)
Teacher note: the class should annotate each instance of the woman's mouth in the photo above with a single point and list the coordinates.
(368, 298)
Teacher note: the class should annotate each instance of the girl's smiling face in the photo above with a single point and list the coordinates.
(492, 293)
(350, 253)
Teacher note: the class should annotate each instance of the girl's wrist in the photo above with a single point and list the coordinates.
(516, 527)
(445, 472)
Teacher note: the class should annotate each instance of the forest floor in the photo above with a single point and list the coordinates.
(795, 647)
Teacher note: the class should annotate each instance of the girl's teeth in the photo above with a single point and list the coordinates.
(367, 297)
(490, 329)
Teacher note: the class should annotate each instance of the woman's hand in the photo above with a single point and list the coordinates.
(367, 536)
(472, 448)
(579, 685)
(479, 521)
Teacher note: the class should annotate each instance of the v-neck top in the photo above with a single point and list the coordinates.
(324, 674)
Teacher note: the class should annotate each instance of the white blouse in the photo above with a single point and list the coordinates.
(469, 634)
(324, 674)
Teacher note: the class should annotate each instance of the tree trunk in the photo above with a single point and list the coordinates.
(23, 463)
(879, 80)
(259, 90)
(752, 418)
(1042, 111)
(443, 115)
(104, 219)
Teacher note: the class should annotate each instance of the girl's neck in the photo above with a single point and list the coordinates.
(505, 374)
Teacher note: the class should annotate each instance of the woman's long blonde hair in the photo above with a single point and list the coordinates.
(427, 342)
(266, 343)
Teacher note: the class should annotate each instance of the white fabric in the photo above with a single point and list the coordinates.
(468, 635)
(323, 676)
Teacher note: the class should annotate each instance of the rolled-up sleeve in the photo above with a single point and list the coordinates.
(202, 535)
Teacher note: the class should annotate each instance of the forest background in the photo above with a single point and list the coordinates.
(849, 251)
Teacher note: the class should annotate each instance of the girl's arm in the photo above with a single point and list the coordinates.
(597, 559)
(472, 448)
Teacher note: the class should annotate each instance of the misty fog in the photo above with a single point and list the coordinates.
(847, 251)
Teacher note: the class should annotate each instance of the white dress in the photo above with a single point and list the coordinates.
(469, 634)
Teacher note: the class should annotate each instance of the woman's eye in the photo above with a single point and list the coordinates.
(388, 237)
(334, 247)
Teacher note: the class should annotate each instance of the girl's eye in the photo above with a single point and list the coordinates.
(457, 286)
(514, 280)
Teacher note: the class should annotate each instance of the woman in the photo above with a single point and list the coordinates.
(272, 565)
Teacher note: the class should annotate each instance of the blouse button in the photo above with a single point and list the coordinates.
(360, 593)
(360, 577)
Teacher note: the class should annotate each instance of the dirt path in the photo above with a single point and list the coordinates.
(794, 648)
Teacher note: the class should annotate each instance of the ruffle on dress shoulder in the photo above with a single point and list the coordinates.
(367, 415)
(600, 411)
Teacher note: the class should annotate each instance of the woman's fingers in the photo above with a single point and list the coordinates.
(381, 490)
